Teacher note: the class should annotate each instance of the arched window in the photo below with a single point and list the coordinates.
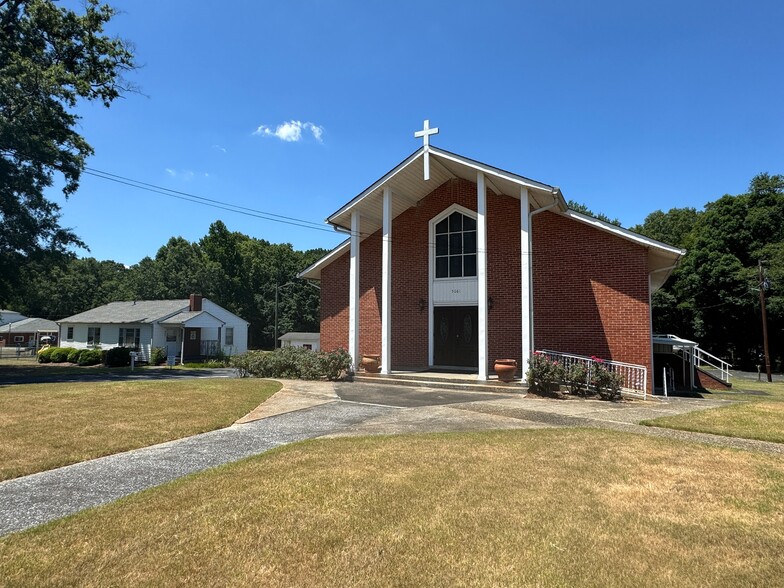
(456, 246)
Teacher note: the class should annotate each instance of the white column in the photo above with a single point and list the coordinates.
(386, 283)
(526, 304)
(481, 270)
(353, 292)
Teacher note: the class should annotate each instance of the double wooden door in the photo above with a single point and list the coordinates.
(456, 340)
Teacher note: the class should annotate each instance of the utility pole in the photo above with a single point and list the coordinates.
(763, 285)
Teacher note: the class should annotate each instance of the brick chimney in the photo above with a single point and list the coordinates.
(195, 302)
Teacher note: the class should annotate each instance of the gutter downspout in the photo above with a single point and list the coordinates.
(650, 316)
(531, 271)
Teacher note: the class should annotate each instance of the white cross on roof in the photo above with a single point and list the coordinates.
(425, 133)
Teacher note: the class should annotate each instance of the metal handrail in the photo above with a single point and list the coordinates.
(724, 367)
(635, 377)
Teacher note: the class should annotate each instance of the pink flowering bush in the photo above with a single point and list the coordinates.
(543, 373)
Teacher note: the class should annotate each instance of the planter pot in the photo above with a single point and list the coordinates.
(506, 369)
(371, 363)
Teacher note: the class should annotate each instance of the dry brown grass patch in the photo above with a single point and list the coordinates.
(44, 426)
(566, 507)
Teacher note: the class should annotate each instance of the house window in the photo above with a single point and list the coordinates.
(456, 246)
(229, 335)
(18, 338)
(307, 346)
(93, 335)
(129, 338)
(69, 334)
(171, 336)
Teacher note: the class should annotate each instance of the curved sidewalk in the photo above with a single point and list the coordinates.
(307, 410)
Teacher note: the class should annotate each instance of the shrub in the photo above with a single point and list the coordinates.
(73, 355)
(292, 362)
(44, 355)
(59, 354)
(158, 355)
(543, 373)
(577, 378)
(335, 364)
(90, 357)
(118, 357)
(606, 382)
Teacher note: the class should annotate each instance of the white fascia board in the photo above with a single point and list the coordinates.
(377, 184)
(325, 261)
(493, 171)
(624, 233)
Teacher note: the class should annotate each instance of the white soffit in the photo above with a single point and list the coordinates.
(409, 187)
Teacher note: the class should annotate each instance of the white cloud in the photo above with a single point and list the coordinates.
(219, 148)
(182, 174)
(291, 131)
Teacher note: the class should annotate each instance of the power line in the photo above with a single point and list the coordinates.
(252, 212)
(306, 224)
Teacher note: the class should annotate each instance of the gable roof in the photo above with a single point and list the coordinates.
(183, 318)
(409, 187)
(299, 336)
(30, 325)
(129, 311)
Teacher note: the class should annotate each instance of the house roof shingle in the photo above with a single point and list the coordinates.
(132, 311)
(30, 325)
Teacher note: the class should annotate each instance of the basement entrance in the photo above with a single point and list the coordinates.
(455, 336)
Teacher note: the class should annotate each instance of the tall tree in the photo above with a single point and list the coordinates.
(50, 58)
(712, 296)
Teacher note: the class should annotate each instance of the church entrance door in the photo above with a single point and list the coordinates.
(456, 340)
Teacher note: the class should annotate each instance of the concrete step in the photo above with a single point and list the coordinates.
(443, 383)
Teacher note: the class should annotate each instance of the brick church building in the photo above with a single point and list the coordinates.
(452, 263)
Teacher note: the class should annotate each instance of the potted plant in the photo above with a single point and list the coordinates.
(506, 369)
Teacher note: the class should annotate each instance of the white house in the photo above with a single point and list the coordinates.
(306, 340)
(188, 329)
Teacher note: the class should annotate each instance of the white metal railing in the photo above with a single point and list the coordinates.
(635, 377)
(703, 357)
(209, 348)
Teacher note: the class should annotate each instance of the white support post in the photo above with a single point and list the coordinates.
(386, 283)
(353, 295)
(481, 270)
(526, 304)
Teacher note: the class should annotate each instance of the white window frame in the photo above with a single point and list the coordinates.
(445, 214)
(93, 335)
(229, 336)
(69, 333)
(135, 335)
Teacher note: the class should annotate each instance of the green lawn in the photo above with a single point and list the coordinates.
(43, 426)
(518, 508)
(755, 416)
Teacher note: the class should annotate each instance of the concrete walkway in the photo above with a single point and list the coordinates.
(306, 410)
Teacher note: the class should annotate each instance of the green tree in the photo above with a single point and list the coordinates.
(583, 209)
(712, 297)
(50, 58)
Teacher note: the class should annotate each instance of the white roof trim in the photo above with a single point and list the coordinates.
(378, 183)
(478, 166)
(493, 171)
(309, 271)
(624, 233)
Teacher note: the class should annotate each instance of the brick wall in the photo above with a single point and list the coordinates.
(590, 287)
(590, 291)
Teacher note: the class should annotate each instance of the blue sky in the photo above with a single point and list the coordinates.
(628, 107)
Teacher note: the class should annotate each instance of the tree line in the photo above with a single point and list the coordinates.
(232, 269)
(713, 297)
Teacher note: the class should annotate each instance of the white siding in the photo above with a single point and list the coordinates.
(231, 320)
(110, 336)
